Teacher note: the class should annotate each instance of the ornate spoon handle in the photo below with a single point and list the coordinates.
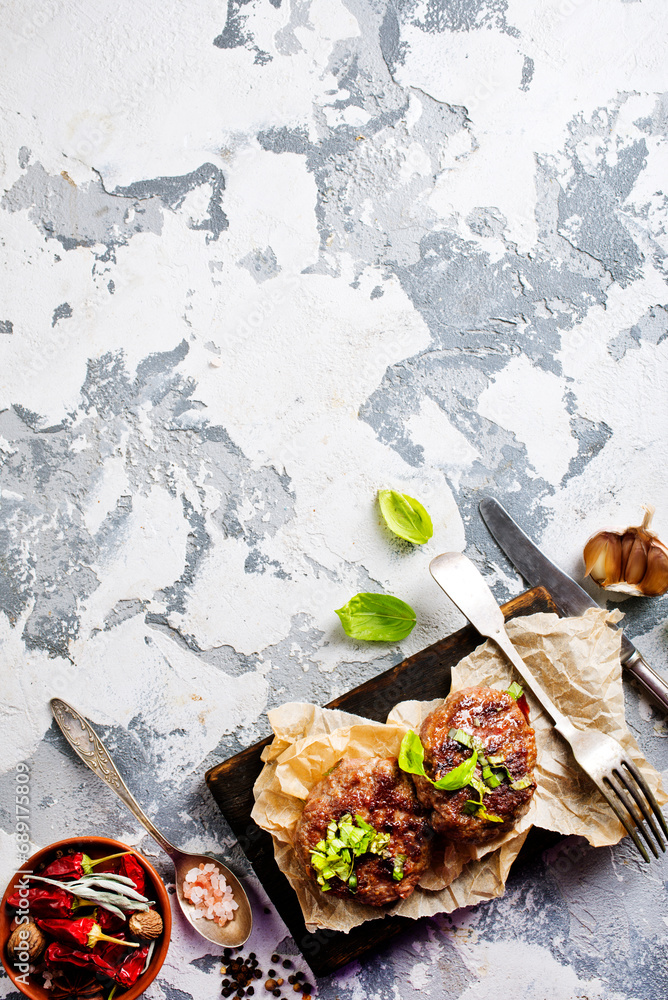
(87, 744)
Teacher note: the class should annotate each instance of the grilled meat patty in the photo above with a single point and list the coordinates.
(497, 724)
(378, 791)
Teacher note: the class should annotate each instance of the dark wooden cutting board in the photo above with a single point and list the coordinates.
(423, 676)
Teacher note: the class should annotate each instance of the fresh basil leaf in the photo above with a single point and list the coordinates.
(377, 618)
(405, 516)
(411, 760)
(411, 754)
(460, 776)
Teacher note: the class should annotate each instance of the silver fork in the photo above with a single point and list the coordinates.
(599, 755)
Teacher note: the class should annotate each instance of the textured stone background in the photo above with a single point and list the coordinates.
(258, 261)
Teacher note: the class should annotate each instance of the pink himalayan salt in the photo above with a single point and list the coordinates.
(210, 894)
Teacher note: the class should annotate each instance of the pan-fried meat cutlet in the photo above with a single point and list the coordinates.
(364, 803)
(491, 722)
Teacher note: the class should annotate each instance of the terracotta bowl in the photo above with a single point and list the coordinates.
(95, 847)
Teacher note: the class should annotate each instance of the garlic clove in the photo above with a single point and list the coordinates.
(628, 560)
(655, 580)
(603, 558)
(634, 566)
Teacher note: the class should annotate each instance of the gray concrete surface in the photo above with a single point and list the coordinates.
(258, 261)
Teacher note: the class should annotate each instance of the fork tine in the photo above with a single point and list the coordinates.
(621, 816)
(649, 795)
(620, 790)
(629, 782)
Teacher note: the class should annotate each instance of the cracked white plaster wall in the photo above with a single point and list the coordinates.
(148, 555)
(119, 112)
(530, 402)
(614, 485)
(443, 445)
(578, 68)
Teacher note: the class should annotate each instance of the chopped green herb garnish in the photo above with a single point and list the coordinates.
(461, 737)
(491, 779)
(480, 788)
(348, 839)
(398, 870)
(472, 808)
(491, 817)
(515, 690)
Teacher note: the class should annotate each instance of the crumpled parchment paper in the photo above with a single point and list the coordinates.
(577, 662)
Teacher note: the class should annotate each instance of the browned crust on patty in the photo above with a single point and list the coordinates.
(378, 791)
(494, 718)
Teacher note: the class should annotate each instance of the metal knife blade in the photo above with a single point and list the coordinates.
(570, 598)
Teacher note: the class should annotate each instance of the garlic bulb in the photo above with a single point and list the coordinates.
(628, 560)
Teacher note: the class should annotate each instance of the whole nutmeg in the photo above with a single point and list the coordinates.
(26, 939)
(146, 925)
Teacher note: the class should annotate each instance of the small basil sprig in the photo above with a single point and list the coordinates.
(377, 617)
(405, 516)
(411, 760)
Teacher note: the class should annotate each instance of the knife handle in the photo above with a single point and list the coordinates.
(648, 678)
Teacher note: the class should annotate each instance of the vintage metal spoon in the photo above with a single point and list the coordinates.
(87, 744)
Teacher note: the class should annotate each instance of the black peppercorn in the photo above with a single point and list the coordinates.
(226, 991)
(272, 973)
(287, 964)
(275, 958)
(292, 979)
(277, 993)
(250, 991)
(307, 988)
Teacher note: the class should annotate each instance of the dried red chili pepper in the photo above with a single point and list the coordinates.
(132, 967)
(45, 903)
(109, 922)
(84, 931)
(76, 865)
(129, 866)
(64, 954)
(109, 959)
